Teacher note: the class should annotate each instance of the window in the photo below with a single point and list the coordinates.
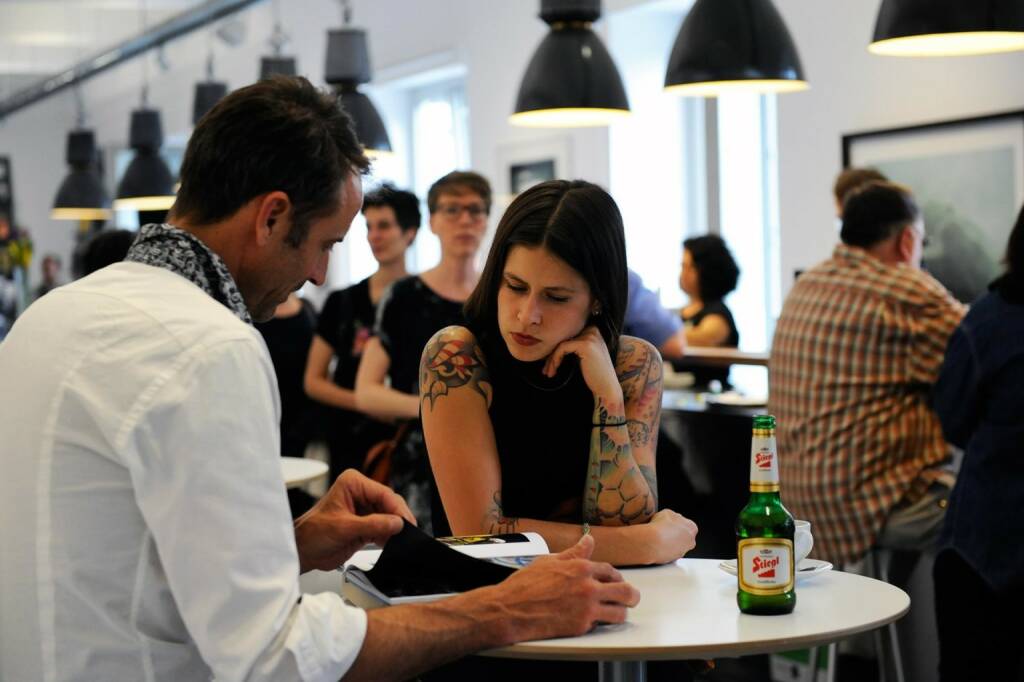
(428, 124)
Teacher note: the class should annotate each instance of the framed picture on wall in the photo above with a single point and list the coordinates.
(524, 164)
(968, 178)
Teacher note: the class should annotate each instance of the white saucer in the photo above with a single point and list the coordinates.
(804, 569)
(737, 399)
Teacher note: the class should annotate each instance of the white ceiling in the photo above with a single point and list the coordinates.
(41, 37)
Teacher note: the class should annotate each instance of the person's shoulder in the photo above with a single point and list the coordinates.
(454, 339)
(635, 353)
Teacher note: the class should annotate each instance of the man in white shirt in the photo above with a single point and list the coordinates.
(145, 531)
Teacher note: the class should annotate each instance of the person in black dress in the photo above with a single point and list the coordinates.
(387, 382)
(346, 324)
(538, 415)
(288, 335)
(708, 274)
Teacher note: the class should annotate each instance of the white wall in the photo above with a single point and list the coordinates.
(853, 90)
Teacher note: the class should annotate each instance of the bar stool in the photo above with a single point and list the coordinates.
(876, 563)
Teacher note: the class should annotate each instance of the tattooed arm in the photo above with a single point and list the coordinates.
(622, 486)
(455, 393)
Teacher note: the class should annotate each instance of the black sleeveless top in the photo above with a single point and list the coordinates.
(542, 428)
(704, 375)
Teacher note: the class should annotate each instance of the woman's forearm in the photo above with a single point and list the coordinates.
(385, 402)
(323, 390)
(618, 492)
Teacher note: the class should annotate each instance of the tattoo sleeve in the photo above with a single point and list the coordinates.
(449, 362)
(618, 490)
(495, 520)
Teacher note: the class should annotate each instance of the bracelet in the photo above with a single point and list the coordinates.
(604, 424)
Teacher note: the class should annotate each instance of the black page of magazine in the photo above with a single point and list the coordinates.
(413, 563)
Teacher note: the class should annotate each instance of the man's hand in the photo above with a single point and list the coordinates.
(562, 595)
(559, 595)
(354, 512)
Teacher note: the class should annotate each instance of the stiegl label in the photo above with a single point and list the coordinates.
(765, 565)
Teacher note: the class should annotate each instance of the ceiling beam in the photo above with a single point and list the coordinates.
(175, 27)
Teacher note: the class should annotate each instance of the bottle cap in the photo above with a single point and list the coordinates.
(764, 421)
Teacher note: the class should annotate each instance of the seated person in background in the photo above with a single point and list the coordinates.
(538, 415)
(979, 571)
(647, 319)
(850, 179)
(346, 323)
(708, 274)
(288, 335)
(856, 350)
(387, 382)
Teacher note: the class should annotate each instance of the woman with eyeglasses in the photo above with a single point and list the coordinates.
(387, 382)
(538, 414)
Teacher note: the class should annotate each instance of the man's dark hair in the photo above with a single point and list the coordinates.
(852, 178)
(282, 134)
(405, 205)
(579, 223)
(875, 212)
(717, 272)
(458, 182)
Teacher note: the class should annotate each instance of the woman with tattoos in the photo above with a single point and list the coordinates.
(538, 415)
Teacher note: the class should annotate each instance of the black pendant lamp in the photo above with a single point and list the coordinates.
(81, 196)
(935, 28)
(348, 67)
(208, 93)
(733, 46)
(147, 184)
(571, 81)
(277, 64)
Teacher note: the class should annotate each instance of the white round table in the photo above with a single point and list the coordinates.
(297, 471)
(688, 611)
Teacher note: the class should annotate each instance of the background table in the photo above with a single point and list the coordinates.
(298, 470)
(688, 611)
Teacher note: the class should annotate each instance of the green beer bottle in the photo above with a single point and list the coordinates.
(765, 566)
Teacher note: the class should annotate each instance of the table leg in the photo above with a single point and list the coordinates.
(622, 671)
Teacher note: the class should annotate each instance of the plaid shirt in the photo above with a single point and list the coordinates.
(857, 348)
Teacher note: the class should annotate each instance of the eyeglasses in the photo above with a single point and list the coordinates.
(453, 211)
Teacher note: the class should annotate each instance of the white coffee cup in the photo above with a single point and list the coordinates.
(803, 541)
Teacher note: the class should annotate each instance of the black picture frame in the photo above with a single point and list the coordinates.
(968, 177)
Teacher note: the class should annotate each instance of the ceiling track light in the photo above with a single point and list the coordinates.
(571, 80)
(728, 46)
(147, 184)
(943, 28)
(208, 92)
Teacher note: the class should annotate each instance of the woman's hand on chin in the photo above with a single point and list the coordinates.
(595, 362)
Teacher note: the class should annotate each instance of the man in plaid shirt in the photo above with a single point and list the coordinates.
(857, 348)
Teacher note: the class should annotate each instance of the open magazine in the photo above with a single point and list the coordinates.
(415, 567)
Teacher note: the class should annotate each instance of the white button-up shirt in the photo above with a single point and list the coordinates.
(144, 526)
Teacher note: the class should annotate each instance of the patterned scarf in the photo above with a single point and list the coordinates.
(165, 246)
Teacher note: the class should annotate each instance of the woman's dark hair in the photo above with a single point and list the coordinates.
(579, 223)
(1015, 251)
(281, 133)
(876, 211)
(717, 272)
(101, 249)
(405, 205)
